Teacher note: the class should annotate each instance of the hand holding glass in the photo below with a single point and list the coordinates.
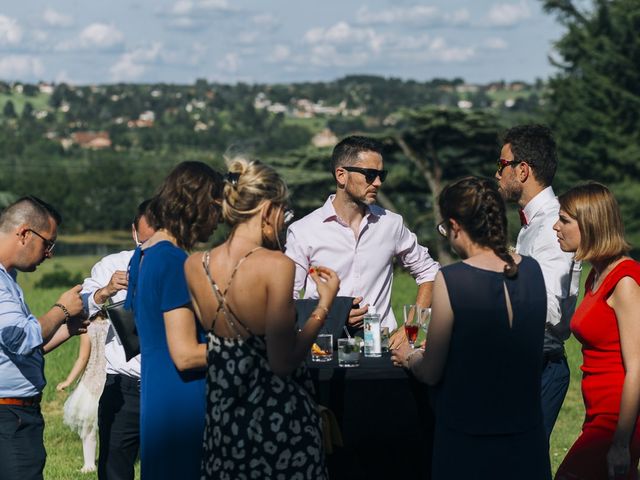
(411, 323)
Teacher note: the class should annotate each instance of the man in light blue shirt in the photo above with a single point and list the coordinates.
(28, 230)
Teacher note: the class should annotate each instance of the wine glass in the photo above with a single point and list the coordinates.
(425, 318)
(411, 323)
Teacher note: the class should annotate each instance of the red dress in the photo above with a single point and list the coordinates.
(595, 326)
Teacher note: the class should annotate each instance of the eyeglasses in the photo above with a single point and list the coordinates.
(370, 174)
(48, 244)
(502, 164)
(442, 230)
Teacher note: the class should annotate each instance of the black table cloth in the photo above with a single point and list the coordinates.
(385, 419)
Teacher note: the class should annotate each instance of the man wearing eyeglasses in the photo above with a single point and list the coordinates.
(525, 172)
(28, 231)
(359, 239)
(119, 407)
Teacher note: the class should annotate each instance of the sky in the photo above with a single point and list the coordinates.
(273, 41)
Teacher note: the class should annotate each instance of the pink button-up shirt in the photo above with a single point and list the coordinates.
(364, 263)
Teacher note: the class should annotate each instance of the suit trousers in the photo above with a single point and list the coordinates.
(555, 383)
(22, 453)
(119, 427)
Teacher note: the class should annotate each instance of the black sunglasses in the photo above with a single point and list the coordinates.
(502, 164)
(48, 244)
(370, 174)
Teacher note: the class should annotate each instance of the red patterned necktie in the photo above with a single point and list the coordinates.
(523, 217)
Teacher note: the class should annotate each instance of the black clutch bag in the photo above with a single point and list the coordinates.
(336, 319)
(124, 324)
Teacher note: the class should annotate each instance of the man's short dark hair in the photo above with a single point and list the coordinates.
(30, 210)
(347, 150)
(534, 145)
(142, 209)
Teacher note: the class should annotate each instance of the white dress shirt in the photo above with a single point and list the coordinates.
(561, 273)
(100, 276)
(364, 263)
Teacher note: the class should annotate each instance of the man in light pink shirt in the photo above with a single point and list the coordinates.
(359, 239)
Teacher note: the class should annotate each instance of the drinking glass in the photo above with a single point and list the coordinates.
(384, 339)
(411, 323)
(425, 318)
(348, 352)
(322, 349)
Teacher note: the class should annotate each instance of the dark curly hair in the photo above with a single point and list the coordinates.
(534, 145)
(476, 204)
(187, 203)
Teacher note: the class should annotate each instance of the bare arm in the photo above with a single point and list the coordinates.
(286, 349)
(185, 350)
(80, 364)
(429, 365)
(625, 301)
(50, 322)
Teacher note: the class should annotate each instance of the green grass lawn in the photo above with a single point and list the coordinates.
(64, 448)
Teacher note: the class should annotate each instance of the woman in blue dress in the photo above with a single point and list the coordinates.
(172, 403)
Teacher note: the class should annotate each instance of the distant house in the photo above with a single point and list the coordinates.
(325, 138)
(91, 140)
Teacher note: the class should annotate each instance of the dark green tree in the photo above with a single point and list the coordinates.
(442, 144)
(595, 98)
(9, 110)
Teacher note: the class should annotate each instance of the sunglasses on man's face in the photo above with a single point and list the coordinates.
(502, 164)
(370, 174)
(48, 244)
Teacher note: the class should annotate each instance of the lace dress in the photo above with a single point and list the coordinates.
(258, 425)
(81, 408)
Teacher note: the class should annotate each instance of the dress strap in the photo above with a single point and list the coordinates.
(223, 306)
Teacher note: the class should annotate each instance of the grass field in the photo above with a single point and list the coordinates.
(64, 448)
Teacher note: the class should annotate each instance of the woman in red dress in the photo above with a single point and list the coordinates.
(607, 324)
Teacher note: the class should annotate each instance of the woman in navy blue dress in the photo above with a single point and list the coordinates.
(172, 343)
(484, 346)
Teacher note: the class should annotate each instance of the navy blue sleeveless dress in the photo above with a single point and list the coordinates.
(488, 410)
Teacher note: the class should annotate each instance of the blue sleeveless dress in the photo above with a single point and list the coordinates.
(172, 403)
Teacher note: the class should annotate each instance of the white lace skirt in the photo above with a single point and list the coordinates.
(81, 411)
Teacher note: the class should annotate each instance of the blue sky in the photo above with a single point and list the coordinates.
(179, 41)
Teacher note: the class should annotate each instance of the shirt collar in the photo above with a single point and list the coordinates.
(537, 202)
(328, 211)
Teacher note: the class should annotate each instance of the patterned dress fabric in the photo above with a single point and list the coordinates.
(81, 408)
(258, 425)
(595, 326)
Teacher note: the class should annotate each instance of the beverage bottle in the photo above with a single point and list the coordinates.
(372, 347)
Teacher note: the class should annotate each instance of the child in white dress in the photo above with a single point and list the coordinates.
(81, 408)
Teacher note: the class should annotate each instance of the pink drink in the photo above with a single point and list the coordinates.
(411, 331)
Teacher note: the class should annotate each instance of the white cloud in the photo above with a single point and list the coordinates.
(417, 15)
(10, 31)
(326, 55)
(191, 7)
(133, 64)
(507, 14)
(101, 35)
(265, 20)
(440, 51)
(280, 53)
(20, 67)
(229, 63)
(56, 19)
(495, 43)
(344, 34)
